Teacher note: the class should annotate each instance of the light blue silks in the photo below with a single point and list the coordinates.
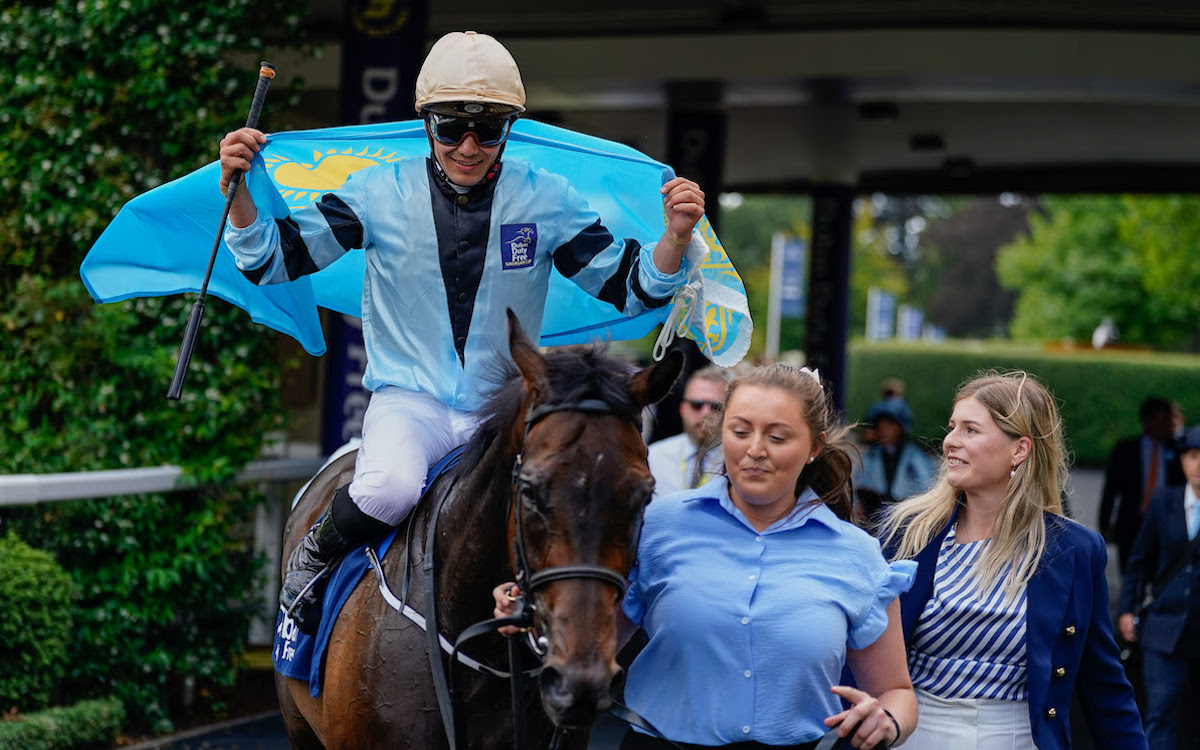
(159, 242)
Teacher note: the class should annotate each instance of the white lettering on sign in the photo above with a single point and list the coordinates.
(379, 88)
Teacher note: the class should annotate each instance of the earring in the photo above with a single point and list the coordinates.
(1012, 473)
(811, 459)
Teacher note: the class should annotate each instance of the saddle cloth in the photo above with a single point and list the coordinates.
(301, 656)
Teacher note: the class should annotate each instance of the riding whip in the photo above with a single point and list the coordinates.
(266, 72)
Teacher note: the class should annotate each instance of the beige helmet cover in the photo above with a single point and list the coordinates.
(464, 66)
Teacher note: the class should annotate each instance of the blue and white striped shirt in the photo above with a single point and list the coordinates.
(969, 642)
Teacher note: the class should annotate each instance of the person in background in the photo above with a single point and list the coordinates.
(755, 589)
(1009, 616)
(692, 457)
(1136, 467)
(893, 467)
(890, 388)
(1178, 420)
(1166, 559)
(451, 243)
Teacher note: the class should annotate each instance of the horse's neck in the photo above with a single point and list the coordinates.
(471, 555)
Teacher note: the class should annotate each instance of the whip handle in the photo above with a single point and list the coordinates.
(266, 72)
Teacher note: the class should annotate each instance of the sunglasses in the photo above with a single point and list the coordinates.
(451, 130)
(698, 405)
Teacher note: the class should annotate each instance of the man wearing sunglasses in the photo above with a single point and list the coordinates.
(692, 457)
(450, 243)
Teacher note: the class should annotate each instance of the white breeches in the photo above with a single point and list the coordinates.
(403, 434)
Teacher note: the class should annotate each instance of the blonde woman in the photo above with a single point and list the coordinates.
(1009, 615)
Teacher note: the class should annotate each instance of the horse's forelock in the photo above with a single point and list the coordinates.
(574, 373)
(584, 372)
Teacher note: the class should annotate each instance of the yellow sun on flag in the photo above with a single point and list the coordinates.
(300, 183)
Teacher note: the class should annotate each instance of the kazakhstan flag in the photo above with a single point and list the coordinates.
(159, 242)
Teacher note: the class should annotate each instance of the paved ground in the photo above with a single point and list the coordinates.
(266, 732)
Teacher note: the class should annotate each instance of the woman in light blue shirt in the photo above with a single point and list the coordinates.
(755, 590)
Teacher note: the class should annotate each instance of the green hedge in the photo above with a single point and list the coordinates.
(1098, 391)
(88, 724)
(36, 598)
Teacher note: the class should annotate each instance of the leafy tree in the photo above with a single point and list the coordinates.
(1165, 234)
(103, 100)
(967, 299)
(1090, 257)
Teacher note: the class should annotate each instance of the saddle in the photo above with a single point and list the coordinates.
(302, 657)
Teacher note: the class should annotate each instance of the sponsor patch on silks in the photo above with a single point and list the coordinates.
(518, 245)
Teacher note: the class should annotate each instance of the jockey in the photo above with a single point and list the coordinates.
(451, 242)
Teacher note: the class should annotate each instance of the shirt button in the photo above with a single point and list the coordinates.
(746, 673)
(1051, 713)
(463, 245)
(460, 342)
(758, 538)
(752, 576)
(462, 296)
(745, 620)
(1070, 630)
(461, 200)
(1060, 672)
(745, 730)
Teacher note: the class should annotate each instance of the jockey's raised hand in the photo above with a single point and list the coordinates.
(683, 201)
(237, 150)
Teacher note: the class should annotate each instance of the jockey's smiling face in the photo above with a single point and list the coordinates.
(466, 162)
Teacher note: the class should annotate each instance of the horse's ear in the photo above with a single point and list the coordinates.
(651, 384)
(527, 357)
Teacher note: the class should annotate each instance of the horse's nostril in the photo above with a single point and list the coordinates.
(574, 699)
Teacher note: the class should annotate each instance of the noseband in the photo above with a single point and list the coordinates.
(530, 580)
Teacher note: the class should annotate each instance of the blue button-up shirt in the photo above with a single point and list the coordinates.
(748, 630)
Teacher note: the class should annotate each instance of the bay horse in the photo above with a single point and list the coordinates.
(563, 429)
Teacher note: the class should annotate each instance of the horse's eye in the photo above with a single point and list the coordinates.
(642, 494)
(531, 495)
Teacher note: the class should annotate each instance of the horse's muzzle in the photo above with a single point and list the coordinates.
(576, 698)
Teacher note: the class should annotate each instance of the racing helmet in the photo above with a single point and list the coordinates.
(469, 74)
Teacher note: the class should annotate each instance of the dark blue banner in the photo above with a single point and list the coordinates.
(382, 52)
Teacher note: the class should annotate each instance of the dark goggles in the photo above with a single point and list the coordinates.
(451, 129)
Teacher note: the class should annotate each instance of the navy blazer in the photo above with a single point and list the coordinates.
(1163, 537)
(1068, 640)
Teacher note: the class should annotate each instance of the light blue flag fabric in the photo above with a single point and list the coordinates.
(159, 243)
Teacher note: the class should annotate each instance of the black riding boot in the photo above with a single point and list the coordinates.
(342, 528)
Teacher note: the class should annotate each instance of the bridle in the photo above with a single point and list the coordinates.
(529, 580)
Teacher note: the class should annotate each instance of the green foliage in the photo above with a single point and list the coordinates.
(163, 579)
(35, 597)
(84, 384)
(93, 723)
(1091, 257)
(1098, 392)
(103, 99)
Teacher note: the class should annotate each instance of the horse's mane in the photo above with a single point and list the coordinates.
(574, 373)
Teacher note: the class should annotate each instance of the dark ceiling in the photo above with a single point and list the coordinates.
(951, 96)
